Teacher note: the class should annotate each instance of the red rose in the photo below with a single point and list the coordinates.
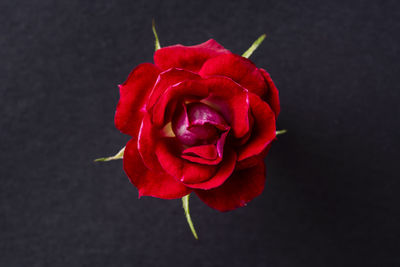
(201, 120)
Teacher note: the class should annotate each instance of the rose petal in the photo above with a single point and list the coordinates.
(192, 135)
(197, 124)
(200, 114)
(247, 136)
(225, 170)
(264, 129)
(182, 170)
(221, 93)
(187, 57)
(272, 96)
(133, 94)
(166, 104)
(146, 144)
(149, 183)
(205, 153)
(167, 79)
(239, 69)
(231, 100)
(251, 161)
(239, 189)
(180, 123)
(221, 143)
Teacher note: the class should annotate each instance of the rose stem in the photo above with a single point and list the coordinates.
(185, 203)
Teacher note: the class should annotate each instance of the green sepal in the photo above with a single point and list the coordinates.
(156, 41)
(254, 46)
(280, 132)
(119, 155)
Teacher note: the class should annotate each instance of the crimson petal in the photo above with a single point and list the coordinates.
(133, 94)
(149, 183)
(204, 151)
(251, 161)
(239, 69)
(273, 95)
(225, 169)
(147, 141)
(231, 100)
(167, 79)
(264, 129)
(170, 98)
(239, 189)
(187, 57)
(182, 170)
(207, 154)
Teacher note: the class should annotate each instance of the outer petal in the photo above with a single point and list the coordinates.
(272, 96)
(246, 137)
(150, 183)
(264, 129)
(133, 94)
(146, 144)
(239, 69)
(239, 189)
(251, 161)
(187, 57)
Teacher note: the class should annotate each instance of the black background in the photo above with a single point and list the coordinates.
(331, 197)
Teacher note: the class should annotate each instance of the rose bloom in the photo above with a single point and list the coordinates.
(201, 120)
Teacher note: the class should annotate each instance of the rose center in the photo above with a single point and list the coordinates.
(198, 124)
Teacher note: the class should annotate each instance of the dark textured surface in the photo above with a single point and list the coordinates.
(331, 197)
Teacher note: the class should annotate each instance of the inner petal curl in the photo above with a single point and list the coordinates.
(198, 124)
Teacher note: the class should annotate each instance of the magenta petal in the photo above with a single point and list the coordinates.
(200, 114)
(180, 123)
(204, 133)
(198, 124)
